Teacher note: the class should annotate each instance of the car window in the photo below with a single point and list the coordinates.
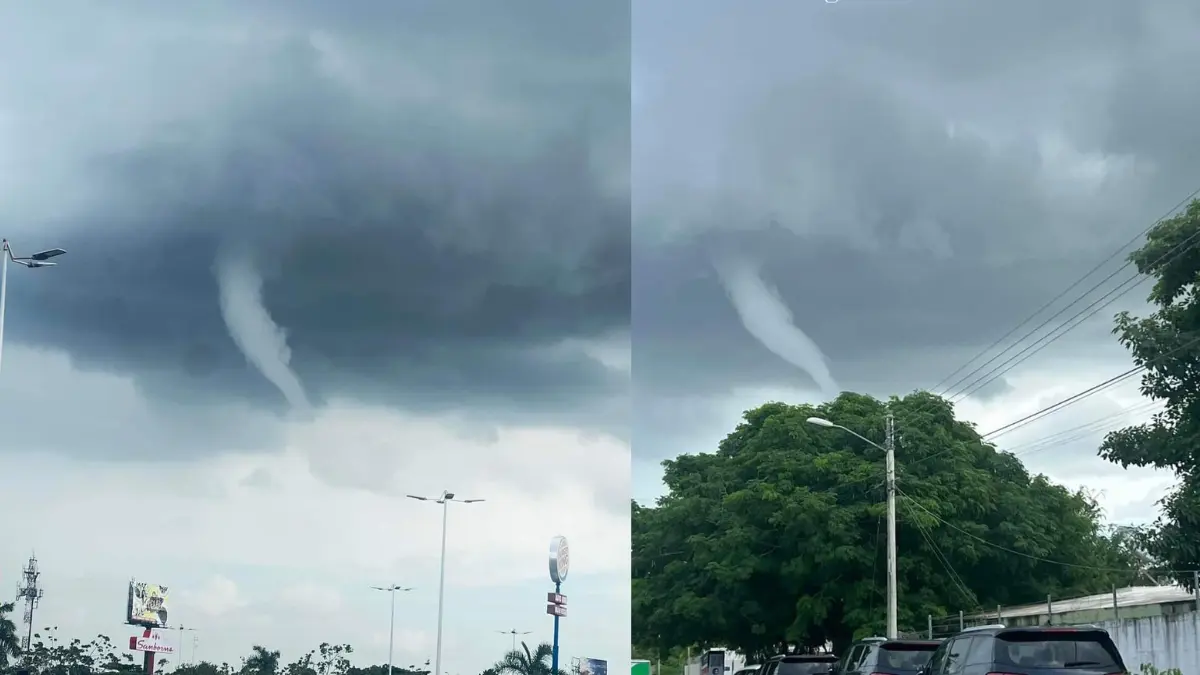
(937, 663)
(902, 657)
(956, 655)
(806, 666)
(1065, 649)
(868, 654)
(852, 659)
(980, 651)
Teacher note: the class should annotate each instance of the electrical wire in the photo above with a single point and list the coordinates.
(1075, 320)
(1086, 393)
(1102, 425)
(1061, 295)
(875, 564)
(1029, 556)
(941, 558)
(1051, 440)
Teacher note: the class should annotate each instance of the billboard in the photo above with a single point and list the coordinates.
(150, 641)
(640, 668)
(593, 667)
(147, 605)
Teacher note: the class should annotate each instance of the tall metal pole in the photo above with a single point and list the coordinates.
(890, 447)
(392, 629)
(554, 652)
(437, 663)
(3, 297)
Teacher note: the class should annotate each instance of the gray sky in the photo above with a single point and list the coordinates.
(319, 258)
(915, 178)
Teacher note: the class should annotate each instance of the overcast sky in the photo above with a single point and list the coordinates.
(915, 178)
(321, 255)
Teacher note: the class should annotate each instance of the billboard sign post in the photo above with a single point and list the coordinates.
(146, 606)
(560, 564)
(593, 667)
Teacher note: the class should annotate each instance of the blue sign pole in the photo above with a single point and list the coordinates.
(554, 652)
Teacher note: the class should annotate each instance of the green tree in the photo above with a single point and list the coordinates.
(1167, 345)
(776, 538)
(261, 661)
(525, 662)
(10, 642)
(201, 668)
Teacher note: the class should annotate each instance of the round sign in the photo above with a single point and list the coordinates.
(560, 559)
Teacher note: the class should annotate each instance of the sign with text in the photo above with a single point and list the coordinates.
(150, 641)
(556, 610)
(556, 598)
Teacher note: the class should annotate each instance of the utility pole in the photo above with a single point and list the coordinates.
(31, 593)
(890, 447)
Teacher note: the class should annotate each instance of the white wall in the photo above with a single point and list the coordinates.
(1166, 641)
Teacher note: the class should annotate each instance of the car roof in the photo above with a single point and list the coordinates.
(997, 629)
(910, 641)
(804, 657)
(898, 641)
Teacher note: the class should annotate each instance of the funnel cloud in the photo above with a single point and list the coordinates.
(260, 339)
(769, 320)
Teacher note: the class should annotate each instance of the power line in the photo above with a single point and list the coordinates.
(1090, 391)
(1048, 441)
(1030, 556)
(1057, 407)
(945, 562)
(1058, 297)
(1075, 320)
(1084, 430)
(875, 563)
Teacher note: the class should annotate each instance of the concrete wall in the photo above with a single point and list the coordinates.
(1167, 641)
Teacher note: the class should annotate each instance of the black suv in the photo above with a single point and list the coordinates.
(880, 656)
(1032, 650)
(799, 664)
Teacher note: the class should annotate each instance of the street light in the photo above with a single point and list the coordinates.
(393, 589)
(514, 633)
(181, 629)
(39, 259)
(444, 500)
(889, 453)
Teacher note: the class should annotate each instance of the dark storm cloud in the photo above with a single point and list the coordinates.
(916, 178)
(435, 193)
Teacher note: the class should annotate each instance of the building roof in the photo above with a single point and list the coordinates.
(1134, 596)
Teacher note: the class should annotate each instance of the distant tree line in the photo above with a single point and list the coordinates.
(50, 655)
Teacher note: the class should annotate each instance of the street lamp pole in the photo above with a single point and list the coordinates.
(181, 629)
(393, 589)
(889, 451)
(38, 259)
(514, 633)
(444, 501)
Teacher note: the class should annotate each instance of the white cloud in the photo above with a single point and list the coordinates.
(309, 596)
(281, 549)
(217, 597)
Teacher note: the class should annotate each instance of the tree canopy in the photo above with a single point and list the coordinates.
(1167, 345)
(50, 655)
(777, 537)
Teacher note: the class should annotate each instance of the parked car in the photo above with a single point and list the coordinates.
(880, 656)
(798, 664)
(1027, 650)
(748, 670)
